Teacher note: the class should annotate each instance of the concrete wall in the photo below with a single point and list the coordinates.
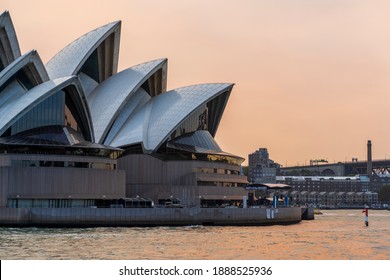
(150, 177)
(5, 159)
(59, 182)
(147, 216)
(146, 169)
(143, 169)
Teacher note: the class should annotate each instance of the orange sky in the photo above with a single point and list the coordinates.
(312, 77)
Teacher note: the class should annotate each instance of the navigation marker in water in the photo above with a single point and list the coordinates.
(365, 210)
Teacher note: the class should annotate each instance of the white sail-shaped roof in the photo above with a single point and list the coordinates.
(9, 46)
(110, 97)
(138, 100)
(152, 125)
(31, 63)
(89, 84)
(118, 109)
(71, 59)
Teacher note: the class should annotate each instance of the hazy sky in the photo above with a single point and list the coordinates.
(312, 77)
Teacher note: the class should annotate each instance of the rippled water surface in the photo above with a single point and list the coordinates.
(337, 234)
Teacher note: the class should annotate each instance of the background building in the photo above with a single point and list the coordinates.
(334, 199)
(335, 191)
(326, 183)
(261, 168)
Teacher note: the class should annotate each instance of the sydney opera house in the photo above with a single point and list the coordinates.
(74, 132)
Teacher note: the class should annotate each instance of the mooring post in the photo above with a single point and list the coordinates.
(365, 210)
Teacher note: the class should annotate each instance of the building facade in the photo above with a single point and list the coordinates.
(326, 184)
(333, 199)
(261, 168)
(334, 191)
(76, 133)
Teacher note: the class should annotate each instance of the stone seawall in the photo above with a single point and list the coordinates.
(90, 217)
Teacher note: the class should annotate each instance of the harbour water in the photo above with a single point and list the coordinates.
(337, 234)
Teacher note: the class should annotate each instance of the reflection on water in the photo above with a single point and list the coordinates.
(337, 234)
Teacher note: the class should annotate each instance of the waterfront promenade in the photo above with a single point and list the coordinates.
(93, 217)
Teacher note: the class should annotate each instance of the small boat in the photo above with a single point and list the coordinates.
(317, 211)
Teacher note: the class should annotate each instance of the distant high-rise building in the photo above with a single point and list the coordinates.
(259, 158)
(261, 168)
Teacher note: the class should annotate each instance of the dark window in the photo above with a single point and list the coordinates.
(91, 66)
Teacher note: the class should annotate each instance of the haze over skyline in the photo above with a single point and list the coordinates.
(311, 77)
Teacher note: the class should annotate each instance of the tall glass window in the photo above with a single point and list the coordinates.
(48, 112)
(69, 119)
(196, 121)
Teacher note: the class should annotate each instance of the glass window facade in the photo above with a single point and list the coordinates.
(199, 140)
(72, 117)
(48, 112)
(220, 184)
(21, 78)
(50, 203)
(69, 119)
(91, 66)
(13, 89)
(197, 121)
(215, 171)
(41, 163)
